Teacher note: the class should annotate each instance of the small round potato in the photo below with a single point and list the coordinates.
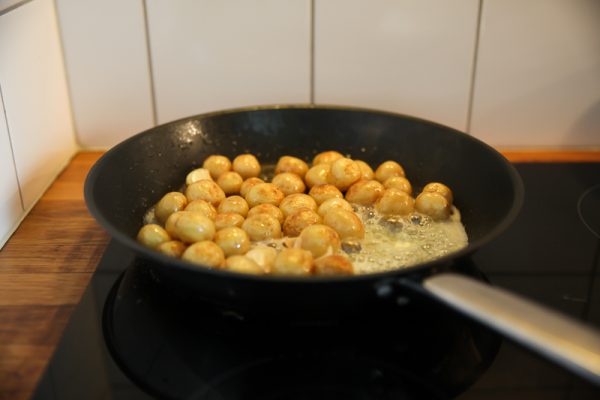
(293, 262)
(264, 193)
(205, 253)
(262, 227)
(170, 224)
(326, 157)
(249, 184)
(268, 209)
(395, 202)
(436, 187)
(205, 189)
(197, 175)
(230, 182)
(346, 223)
(234, 204)
(324, 192)
(366, 172)
(333, 265)
(388, 169)
(289, 183)
(152, 235)
(433, 204)
(170, 203)
(233, 241)
(344, 172)
(226, 220)
(172, 248)
(365, 193)
(320, 239)
(317, 175)
(291, 164)
(193, 226)
(246, 165)
(398, 182)
(243, 265)
(295, 202)
(203, 207)
(333, 203)
(295, 223)
(263, 256)
(217, 165)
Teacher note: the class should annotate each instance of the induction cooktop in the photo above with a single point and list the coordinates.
(131, 339)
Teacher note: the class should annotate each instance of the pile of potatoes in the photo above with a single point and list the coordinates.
(228, 216)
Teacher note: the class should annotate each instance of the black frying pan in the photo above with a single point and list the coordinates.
(135, 174)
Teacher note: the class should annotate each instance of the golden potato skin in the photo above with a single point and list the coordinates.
(249, 184)
(324, 192)
(333, 265)
(388, 169)
(243, 265)
(268, 209)
(230, 182)
(263, 256)
(319, 239)
(326, 157)
(395, 202)
(289, 183)
(291, 164)
(440, 188)
(168, 204)
(217, 165)
(197, 175)
(246, 165)
(193, 226)
(264, 193)
(234, 204)
(296, 262)
(152, 235)
(333, 203)
(365, 193)
(344, 172)
(203, 207)
(366, 172)
(262, 227)
(398, 182)
(170, 224)
(295, 223)
(172, 248)
(233, 241)
(346, 223)
(295, 202)
(206, 253)
(226, 220)
(317, 175)
(433, 204)
(205, 189)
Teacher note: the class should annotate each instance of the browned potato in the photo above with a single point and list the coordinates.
(433, 204)
(291, 164)
(317, 175)
(295, 223)
(398, 182)
(233, 241)
(205, 253)
(346, 223)
(319, 239)
(263, 256)
(264, 193)
(326, 157)
(168, 204)
(205, 189)
(268, 209)
(388, 169)
(295, 202)
(324, 192)
(203, 207)
(172, 248)
(197, 175)
(234, 204)
(217, 165)
(365, 193)
(333, 265)
(366, 172)
(395, 202)
(230, 182)
(289, 183)
(249, 184)
(440, 188)
(344, 172)
(152, 235)
(243, 265)
(246, 165)
(262, 227)
(226, 220)
(333, 203)
(193, 226)
(170, 224)
(293, 262)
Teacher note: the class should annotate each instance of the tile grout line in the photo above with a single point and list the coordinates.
(471, 99)
(312, 53)
(150, 69)
(12, 151)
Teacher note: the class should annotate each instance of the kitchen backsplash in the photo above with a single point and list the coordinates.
(513, 73)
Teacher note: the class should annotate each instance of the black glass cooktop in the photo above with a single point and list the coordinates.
(131, 339)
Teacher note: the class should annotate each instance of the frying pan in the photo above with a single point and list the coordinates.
(133, 176)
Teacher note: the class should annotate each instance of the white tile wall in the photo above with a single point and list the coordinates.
(11, 208)
(35, 96)
(209, 54)
(538, 73)
(105, 55)
(408, 56)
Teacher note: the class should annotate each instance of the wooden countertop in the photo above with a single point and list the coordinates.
(48, 262)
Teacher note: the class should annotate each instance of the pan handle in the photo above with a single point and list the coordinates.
(563, 340)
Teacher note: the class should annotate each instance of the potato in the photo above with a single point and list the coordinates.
(317, 175)
(193, 226)
(291, 164)
(226, 220)
(388, 169)
(395, 202)
(168, 204)
(172, 248)
(264, 256)
(346, 223)
(264, 193)
(296, 222)
(366, 172)
(293, 262)
(436, 187)
(268, 209)
(398, 182)
(205, 253)
(243, 265)
(203, 207)
(262, 227)
(205, 189)
(197, 175)
(333, 265)
(289, 183)
(295, 202)
(246, 165)
(433, 204)
(152, 235)
(249, 184)
(233, 241)
(333, 203)
(230, 182)
(234, 204)
(324, 192)
(320, 239)
(364, 193)
(217, 165)
(344, 172)
(326, 157)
